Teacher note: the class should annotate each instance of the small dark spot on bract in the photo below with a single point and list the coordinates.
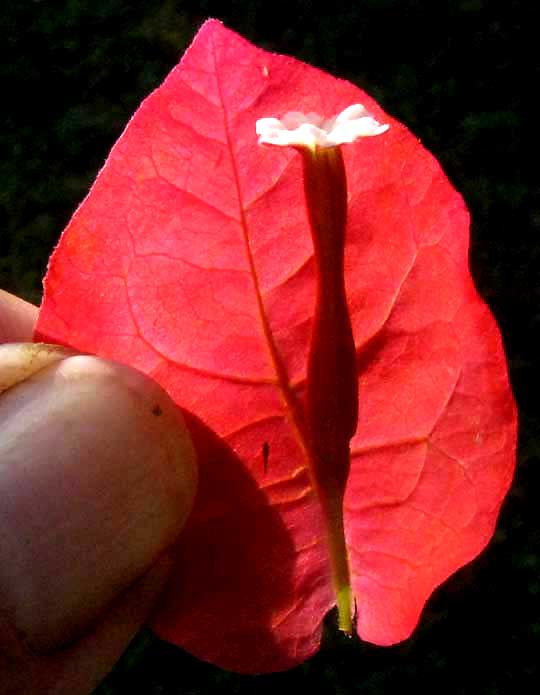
(156, 410)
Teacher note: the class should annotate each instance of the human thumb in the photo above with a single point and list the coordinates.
(97, 478)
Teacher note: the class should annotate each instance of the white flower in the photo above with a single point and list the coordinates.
(311, 130)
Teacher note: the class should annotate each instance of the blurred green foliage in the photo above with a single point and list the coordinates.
(461, 75)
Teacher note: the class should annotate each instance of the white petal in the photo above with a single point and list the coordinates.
(349, 131)
(293, 119)
(263, 125)
(351, 113)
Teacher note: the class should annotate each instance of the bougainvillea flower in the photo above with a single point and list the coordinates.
(310, 130)
(192, 259)
(331, 403)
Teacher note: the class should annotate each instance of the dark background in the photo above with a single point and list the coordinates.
(461, 75)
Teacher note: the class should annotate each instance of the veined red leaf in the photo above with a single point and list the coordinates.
(191, 259)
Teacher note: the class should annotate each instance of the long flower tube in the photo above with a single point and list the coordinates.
(332, 384)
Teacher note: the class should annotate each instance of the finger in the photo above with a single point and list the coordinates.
(97, 478)
(17, 319)
(20, 361)
(77, 669)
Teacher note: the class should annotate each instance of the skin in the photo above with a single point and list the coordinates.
(97, 478)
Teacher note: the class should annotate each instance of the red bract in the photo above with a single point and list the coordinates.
(192, 256)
